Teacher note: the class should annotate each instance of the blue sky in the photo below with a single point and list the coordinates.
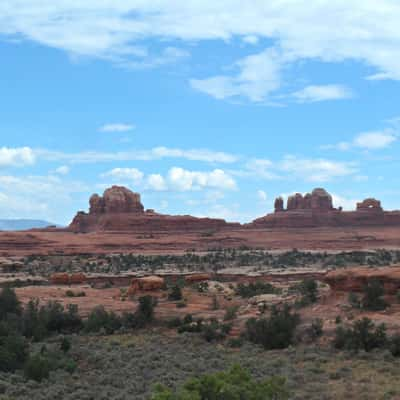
(207, 108)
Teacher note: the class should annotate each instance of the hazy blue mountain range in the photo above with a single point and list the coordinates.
(22, 224)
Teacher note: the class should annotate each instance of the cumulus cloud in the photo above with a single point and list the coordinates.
(344, 202)
(129, 174)
(313, 93)
(156, 182)
(177, 179)
(16, 157)
(117, 127)
(183, 180)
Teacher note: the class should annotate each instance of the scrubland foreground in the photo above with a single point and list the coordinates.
(222, 325)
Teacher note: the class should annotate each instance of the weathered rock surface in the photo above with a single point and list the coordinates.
(120, 209)
(355, 279)
(316, 210)
(145, 284)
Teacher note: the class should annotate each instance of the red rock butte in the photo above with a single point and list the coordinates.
(316, 210)
(120, 209)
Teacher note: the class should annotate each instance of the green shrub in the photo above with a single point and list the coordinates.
(373, 296)
(99, 319)
(145, 312)
(276, 332)
(354, 300)
(394, 345)
(317, 328)
(236, 384)
(175, 293)
(37, 368)
(65, 345)
(13, 352)
(9, 303)
(255, 289)
(231, 313)
(362, 335)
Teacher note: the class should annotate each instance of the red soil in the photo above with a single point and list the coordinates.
(329, 239)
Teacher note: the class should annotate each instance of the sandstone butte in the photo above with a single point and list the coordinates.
(316, 210)
(120, 209)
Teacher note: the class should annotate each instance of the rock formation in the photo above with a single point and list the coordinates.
(120, 209)
(316, 209)
(355, 279)
(148, 283)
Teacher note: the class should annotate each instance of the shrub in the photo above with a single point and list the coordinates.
(145, 312)
(231, 313)
(237, 383)
(276, 332)
(354, 300)
(65, 345)
(309, 290)
(37, 368)
(317, 328)
(394, 345)
(255, 289)
(99, 319)
(362, 335)
(9, 303)
(175, 293)
(373, 296)
(13, 352)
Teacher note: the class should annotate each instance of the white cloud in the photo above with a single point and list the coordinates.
(118, 127)
(42, 197)
(344, 202)
(16, 157)
(251, 39)
(316, 170)
(313, 93)
(62, 170)
(261, 168)
(156, 153)
(258, 76)
(184, 180)
(156, 182)
(322, 31)
(262, 196)
(375, 140)
(130, 174)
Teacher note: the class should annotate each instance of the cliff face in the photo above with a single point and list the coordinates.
(120, 209)
(316, 210)
(355, 279)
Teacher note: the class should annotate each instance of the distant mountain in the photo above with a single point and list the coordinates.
(22, 224)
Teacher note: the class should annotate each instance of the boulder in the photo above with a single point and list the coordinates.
(146, 284)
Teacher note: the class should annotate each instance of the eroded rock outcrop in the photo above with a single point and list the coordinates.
(355, 279)
(116, 199)
(146, 284)
(316, 209)
(120, 209)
